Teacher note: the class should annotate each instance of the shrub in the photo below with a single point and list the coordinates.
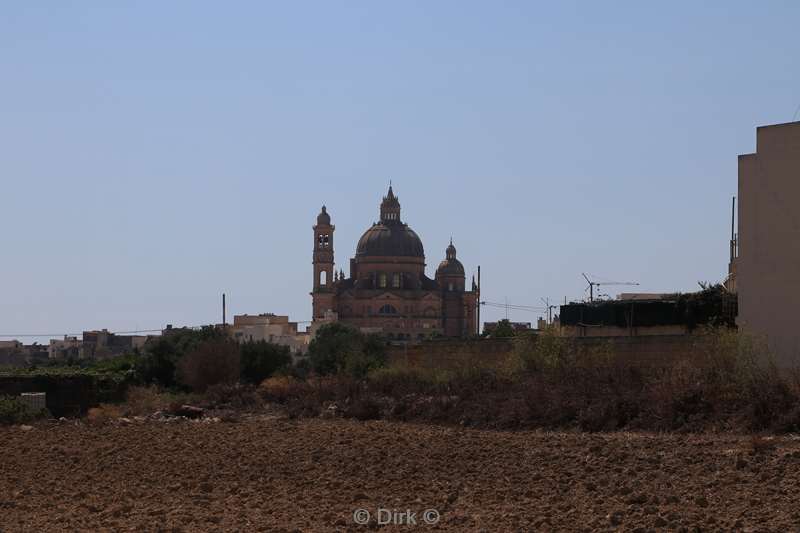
(232, 396)
(14, 411)
(544, 351)
(121, 364)
(281, 388)
(103, 413)
(259, 360)
(210, 363)
(147, 400)
(364, 409)
(402, 380)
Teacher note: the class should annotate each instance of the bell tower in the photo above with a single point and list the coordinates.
(322, 293)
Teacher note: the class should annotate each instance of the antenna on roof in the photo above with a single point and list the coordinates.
(734, 241)
(593, 284)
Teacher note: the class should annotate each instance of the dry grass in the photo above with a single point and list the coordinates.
(730, 384)
(279, 388)
(103, 413)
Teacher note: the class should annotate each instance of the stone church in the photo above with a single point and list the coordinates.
(387, 290)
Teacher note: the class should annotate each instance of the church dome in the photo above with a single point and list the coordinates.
(390, 240)
(450, 266)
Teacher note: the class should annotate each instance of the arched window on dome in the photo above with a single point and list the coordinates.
(396, 281)
(387, 309)
(382, 280)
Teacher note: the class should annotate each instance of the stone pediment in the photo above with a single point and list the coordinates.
(389, 296)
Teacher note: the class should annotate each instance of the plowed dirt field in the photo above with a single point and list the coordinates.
(271, 473)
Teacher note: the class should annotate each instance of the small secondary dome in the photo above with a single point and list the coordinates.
(450, 266)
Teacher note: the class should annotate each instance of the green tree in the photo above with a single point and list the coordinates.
(210, 363)
(340, 348)
(503, 329)
(157, 364)
(259, 360)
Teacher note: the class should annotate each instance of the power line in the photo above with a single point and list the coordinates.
(87, 331)
(130, 332)
(515, 307)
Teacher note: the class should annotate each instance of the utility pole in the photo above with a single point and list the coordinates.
(478, 300)
(224, 324)
(733, 234)
(550, 308)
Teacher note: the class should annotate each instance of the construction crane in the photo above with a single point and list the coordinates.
(593, 284)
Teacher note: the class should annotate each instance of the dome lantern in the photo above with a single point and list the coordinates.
(450, 253)
(390, 208)
(324, 219)
(450, 267)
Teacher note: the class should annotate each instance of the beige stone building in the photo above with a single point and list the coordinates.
(64, 348)
(767, 268)
(268, 327)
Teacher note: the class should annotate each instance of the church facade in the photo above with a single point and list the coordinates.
(387, 290)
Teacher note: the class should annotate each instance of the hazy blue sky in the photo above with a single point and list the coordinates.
(156, 154)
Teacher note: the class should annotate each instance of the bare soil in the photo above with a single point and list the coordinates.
(272, 473)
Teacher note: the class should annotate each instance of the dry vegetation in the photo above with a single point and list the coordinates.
(729, 385)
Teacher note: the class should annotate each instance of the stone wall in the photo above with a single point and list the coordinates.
(651, 350)
(451, 353)
(66, 395)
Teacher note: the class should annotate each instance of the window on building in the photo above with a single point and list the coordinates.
(396, 281)
(387, 309)
(450, 287)
(323, 278)
(382, 280)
